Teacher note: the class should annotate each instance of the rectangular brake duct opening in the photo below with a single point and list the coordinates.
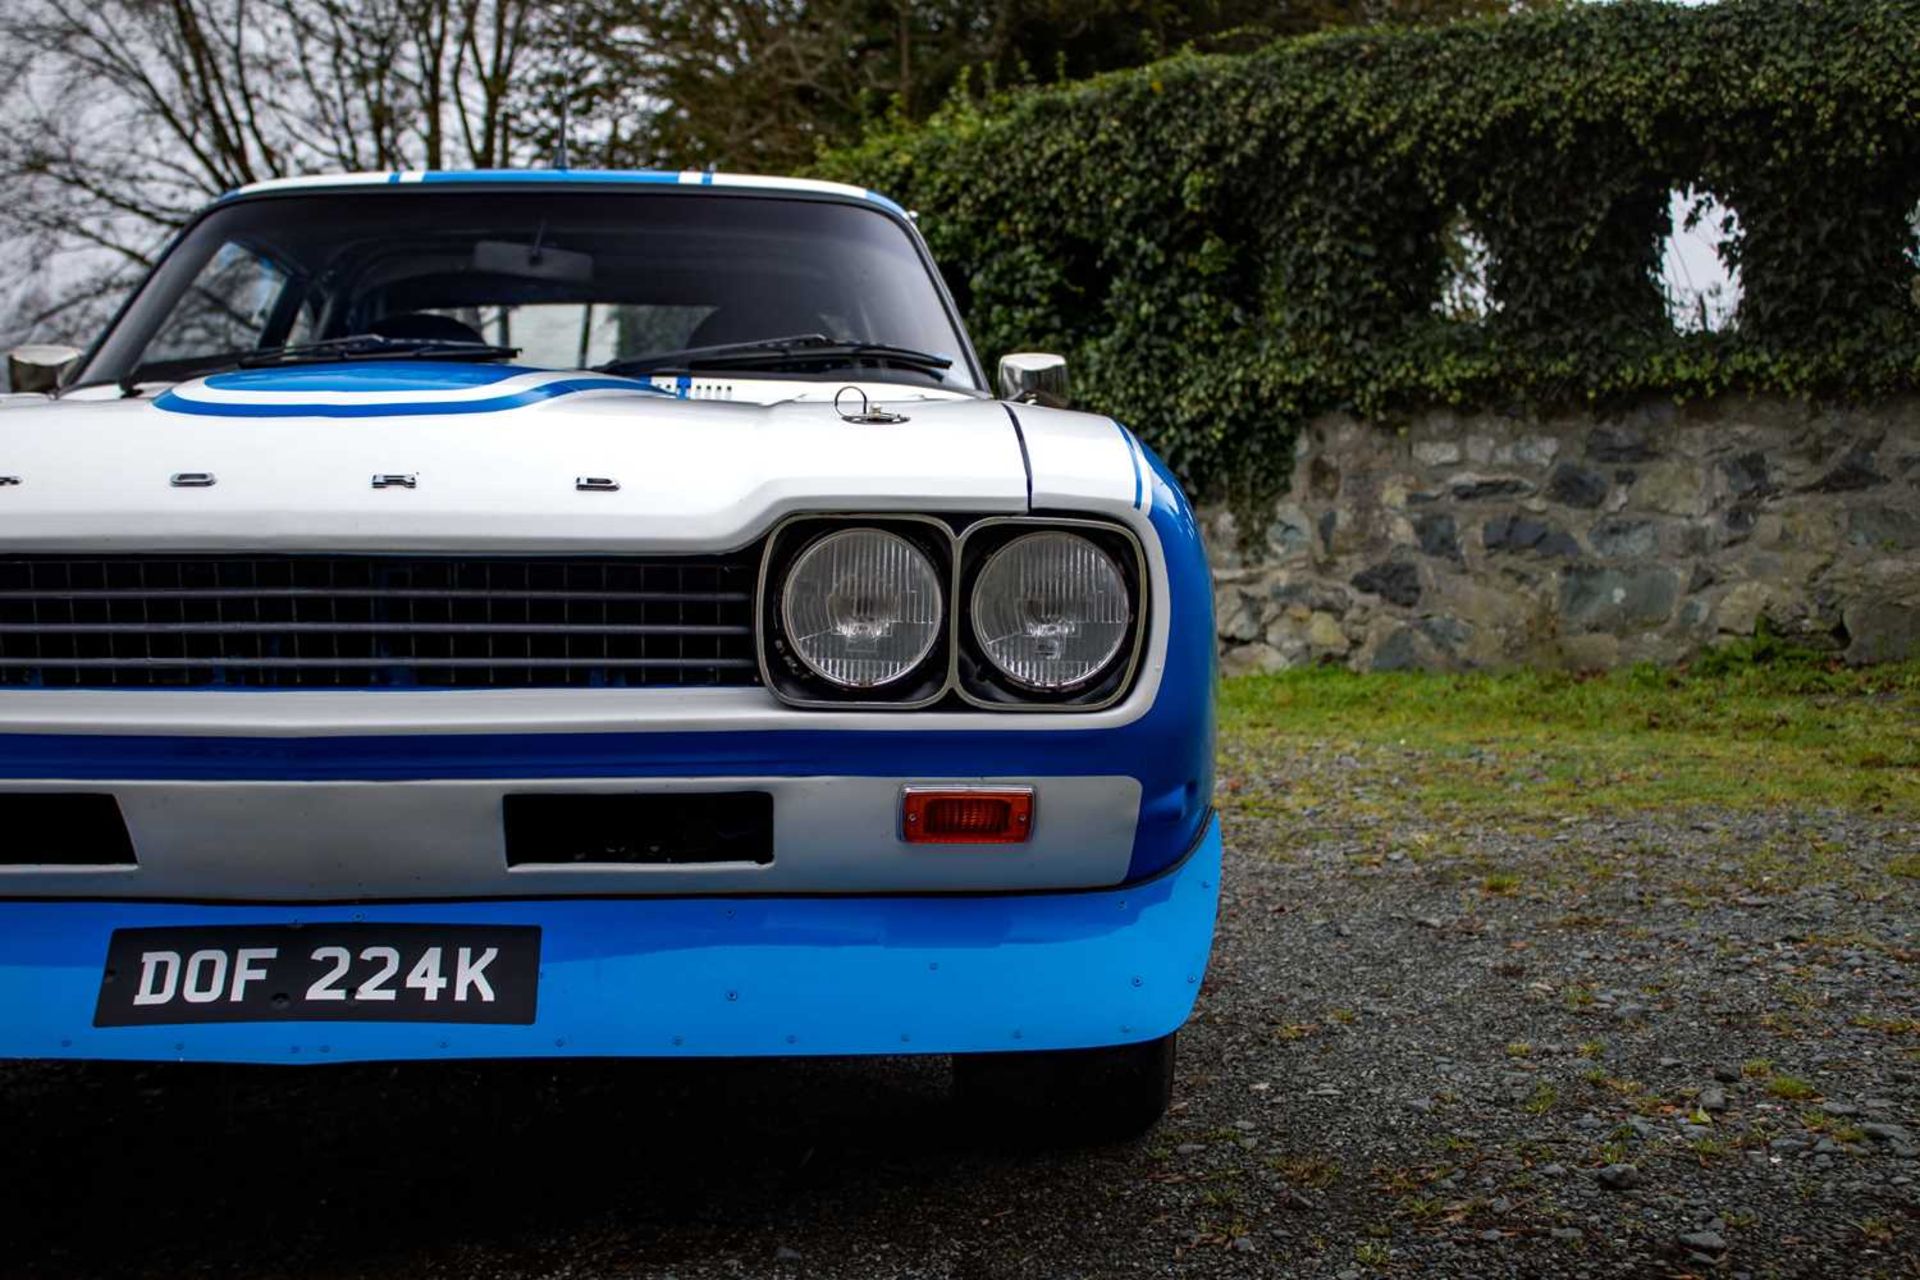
(645, 829)
(63, 829)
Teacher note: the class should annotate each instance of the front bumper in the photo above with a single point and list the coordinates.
(353, 841)
(694, 977)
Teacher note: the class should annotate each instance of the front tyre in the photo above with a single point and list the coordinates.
(1076, 1095)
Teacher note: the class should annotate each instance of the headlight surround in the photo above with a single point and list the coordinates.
(1076, 657)
(862, 608)
(1051, 611)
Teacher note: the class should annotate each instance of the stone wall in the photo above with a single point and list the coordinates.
(1479, 540)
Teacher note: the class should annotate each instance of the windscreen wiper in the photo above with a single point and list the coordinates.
(375, 346)
(358, 346)
(799, 351)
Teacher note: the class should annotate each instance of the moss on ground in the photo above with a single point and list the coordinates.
(1519, 784)
(1534, 745)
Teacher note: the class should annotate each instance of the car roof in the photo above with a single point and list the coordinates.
(585, 177)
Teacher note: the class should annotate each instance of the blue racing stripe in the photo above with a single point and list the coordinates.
(1133, 459)
(175, 403)
(643, 177)
(399, 757)
(370, 376)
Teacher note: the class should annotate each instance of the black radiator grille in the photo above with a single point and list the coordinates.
(375, 621)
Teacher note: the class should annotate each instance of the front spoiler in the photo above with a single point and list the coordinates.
(693, 977)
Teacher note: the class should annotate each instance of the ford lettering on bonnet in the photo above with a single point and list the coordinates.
(603, 614)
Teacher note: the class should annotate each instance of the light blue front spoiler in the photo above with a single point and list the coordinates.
(693, 977)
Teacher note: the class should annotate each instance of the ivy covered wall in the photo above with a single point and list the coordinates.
(1227, 247)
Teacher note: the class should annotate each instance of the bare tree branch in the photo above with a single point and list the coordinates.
(128, 115)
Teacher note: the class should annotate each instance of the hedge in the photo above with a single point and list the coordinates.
(1227, 245)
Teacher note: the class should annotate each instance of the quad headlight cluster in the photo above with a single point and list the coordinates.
(901, 612)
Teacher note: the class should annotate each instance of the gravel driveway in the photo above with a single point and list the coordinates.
(1682, 1044)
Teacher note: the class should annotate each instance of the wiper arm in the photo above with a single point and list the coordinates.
(837, 353)
(798, 349)
(374, 346)
(359, 346)
(685, 357)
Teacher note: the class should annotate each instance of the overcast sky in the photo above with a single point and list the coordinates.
(1699, 289)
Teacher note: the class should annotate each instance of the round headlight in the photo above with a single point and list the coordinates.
(862, 607)
(1050, 610)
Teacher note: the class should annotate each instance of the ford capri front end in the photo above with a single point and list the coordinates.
(474, 616)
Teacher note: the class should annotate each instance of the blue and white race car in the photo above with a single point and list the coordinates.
(476, 615)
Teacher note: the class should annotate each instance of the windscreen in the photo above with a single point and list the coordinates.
(571, 278)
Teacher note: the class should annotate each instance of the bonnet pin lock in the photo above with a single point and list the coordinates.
(867, 412)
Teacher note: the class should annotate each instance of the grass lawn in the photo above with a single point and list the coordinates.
(1523, 742)
(1427, 763)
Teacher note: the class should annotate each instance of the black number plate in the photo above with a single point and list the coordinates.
(321, 973)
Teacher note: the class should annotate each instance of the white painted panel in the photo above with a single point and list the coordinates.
(1081, 462)
(694, 475)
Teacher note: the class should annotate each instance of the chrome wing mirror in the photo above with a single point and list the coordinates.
(39, 367)
(1034, 377)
